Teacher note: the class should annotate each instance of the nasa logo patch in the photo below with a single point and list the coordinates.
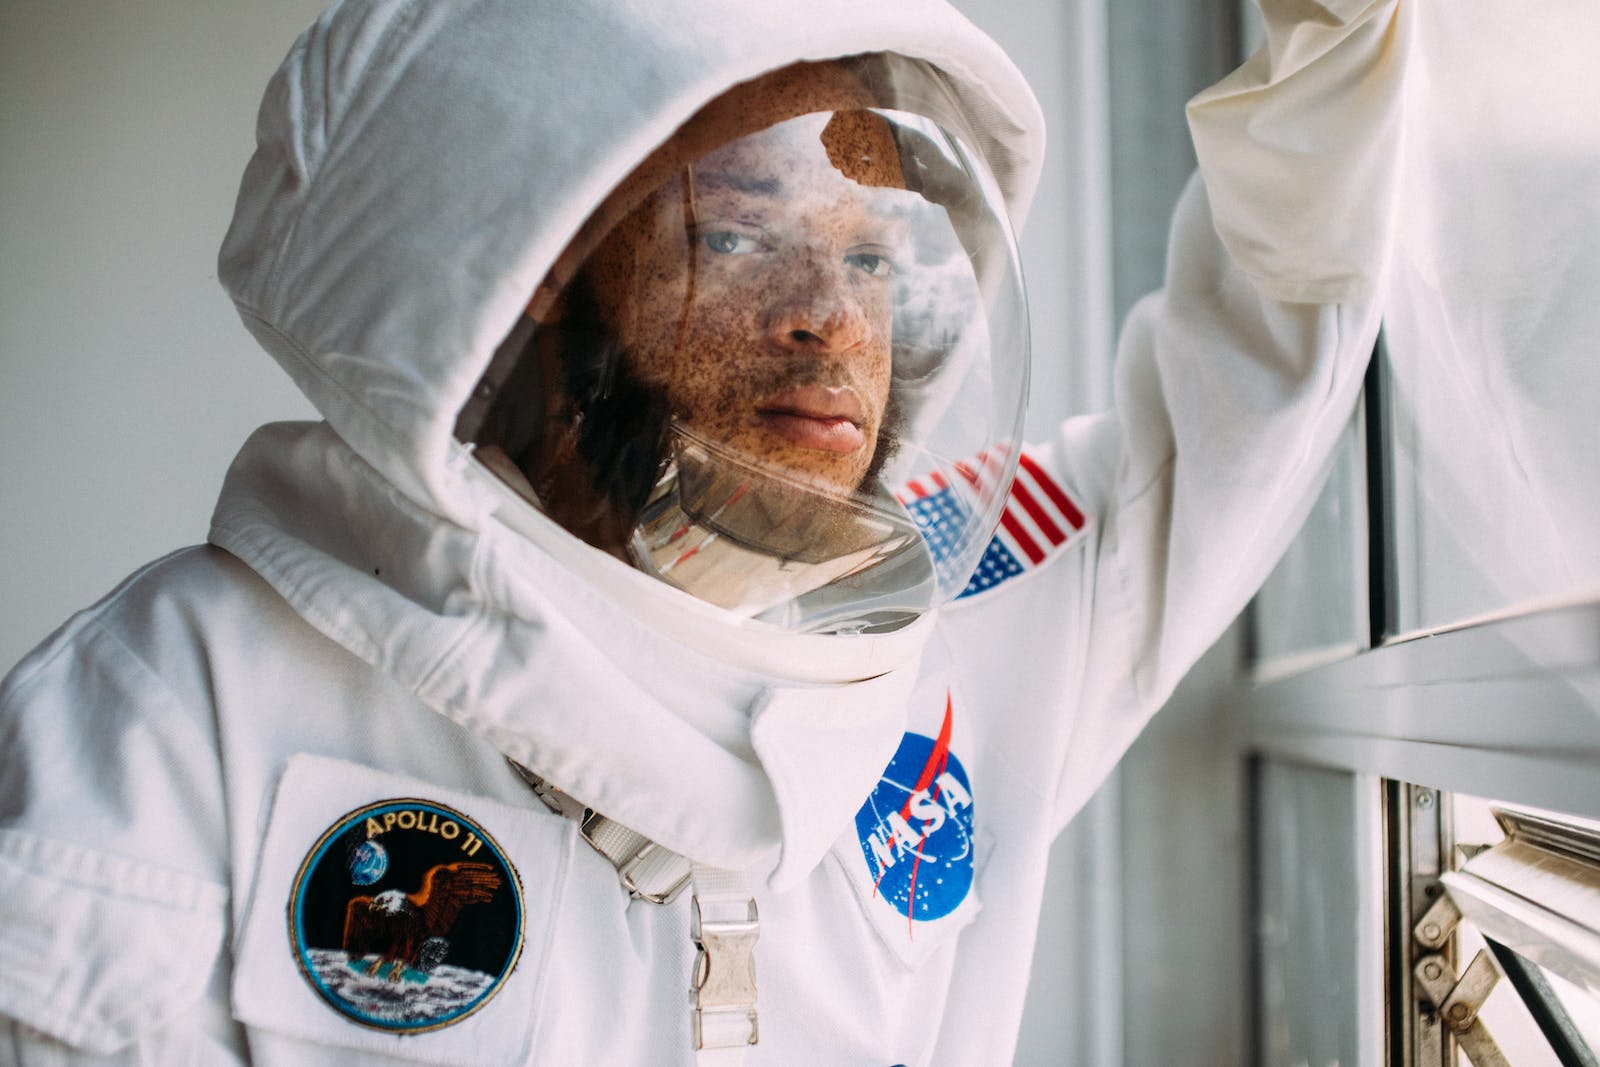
(916, 828)
(406, 916)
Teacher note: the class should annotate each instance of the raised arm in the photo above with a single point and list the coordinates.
(1234, 382)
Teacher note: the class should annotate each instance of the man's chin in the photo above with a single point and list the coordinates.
(811, 522)
(807, 480)
(807, 471)
(799, 490)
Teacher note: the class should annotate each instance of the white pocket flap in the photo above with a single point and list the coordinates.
(100, 948)
(397, 917)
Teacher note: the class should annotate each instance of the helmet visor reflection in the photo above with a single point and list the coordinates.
(754, 368)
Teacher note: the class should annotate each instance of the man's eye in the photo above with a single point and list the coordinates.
(729, 242)
(876, 264)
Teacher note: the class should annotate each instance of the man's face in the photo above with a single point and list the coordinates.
(755, 292)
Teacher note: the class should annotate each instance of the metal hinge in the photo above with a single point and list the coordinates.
(1457, 1000)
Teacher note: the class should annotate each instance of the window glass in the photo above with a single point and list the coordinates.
(1309, 923)
(1504, 1014)
(1493, 328)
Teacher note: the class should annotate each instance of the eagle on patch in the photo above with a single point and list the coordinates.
(410, 930)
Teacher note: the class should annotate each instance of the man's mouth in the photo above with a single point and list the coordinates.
(824, 418)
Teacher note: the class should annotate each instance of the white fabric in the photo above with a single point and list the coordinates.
(366, 600)
(1491, 321)
(1302, 144)
(57, 897)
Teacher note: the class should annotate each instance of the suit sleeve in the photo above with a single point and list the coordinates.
(1234, 382)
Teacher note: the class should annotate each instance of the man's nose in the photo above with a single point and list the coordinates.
(817, 311)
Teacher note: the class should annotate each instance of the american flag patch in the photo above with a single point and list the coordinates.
(1038, 519)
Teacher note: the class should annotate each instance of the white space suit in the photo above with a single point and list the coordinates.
(379, 625)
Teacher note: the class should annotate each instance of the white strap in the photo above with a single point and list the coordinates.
(645, 869)
(722, 921)
(720, 1057)
(725, 927)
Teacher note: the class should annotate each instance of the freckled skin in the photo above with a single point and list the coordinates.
(760, 269)
(723, 322)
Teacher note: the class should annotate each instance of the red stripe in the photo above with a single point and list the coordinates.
(916, 487)
(969, 474)
(1024, 542)
(938, 480)
(911, 898)
(936, 759)
(1053, 491)
(1041, 518)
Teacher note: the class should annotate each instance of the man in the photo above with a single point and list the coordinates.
(626, 671)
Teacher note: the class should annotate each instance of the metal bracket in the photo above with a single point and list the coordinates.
(1418, 827)
(1433, 930)
(1457, 1000)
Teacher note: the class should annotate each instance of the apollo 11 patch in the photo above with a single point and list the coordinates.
(406, 916)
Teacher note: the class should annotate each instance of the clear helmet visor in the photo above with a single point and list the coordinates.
(788, 378)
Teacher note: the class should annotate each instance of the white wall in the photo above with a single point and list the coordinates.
(128, 382)
(1060, 46)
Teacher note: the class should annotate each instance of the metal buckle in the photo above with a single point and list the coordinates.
(664, 896)
(589, 821)
(626, 868)
(725, 979)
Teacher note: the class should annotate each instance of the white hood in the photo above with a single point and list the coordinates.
(419, 167)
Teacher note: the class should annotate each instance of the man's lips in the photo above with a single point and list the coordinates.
(826, 418)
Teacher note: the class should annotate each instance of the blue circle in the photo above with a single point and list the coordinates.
(917, 842)
(368, 861)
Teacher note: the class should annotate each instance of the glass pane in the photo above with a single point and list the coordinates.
(1308, 928)
(1503, 1013)
(1490, 317)
(1313, 606)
